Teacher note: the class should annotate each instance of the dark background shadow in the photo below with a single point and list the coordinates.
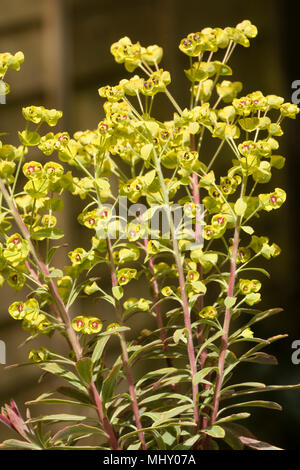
(66, 46)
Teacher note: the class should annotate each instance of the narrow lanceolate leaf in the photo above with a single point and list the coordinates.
(16, 444)
(84, 368)
(172, 413)
(257, 445)
(57, 418)
(74, 393)
(199, 376)
(65, 374)
(257, 403)
(261, 358)
(233, 417)
(215, 431)
(233, 433)
(99, 348)
(166, 396)
(110, 383)
(77, 430)
(263, 315)
(267, 388)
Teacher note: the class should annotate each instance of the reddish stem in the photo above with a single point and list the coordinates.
(103, 419)
(224, 338)
(160, 323)
(127, 367)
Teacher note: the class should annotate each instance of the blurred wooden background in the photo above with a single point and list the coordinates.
(66, 45)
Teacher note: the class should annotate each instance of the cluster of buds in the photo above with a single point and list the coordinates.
(250, 288)
(39, 114)
(133, 55)
(16, 250)
(272, 200)
(11, 417)
(9, 155)
(209, 312)
(29, 313)
(39, 355)
(10, 61)
(212, 39)
(87, 325)
(50, 142)
(139, 304)
(125, 275)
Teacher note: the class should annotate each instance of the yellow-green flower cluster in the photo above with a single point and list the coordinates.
(209, 312)
(133, 55)
(87, 325)
(39, 114)
(29, 313)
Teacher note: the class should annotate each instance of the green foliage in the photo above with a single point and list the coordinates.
(192, 353)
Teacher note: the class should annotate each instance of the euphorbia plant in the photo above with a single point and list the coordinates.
(200, 265)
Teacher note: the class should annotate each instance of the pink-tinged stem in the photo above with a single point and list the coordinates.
(185, 305)
(162, 331)
(187, 322)
(127, 367)
(72, 337)
(224, 338)
(103, 419)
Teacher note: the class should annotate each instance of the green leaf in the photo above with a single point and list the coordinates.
(29, 138)
(257, 445)
(16, 444)
(77, 430)
(261, 270)
(247, 229)
(249, 124)
(50, 233)
(229, 302)
(165, 396)
(57, 418)
(215, 431)
(209, 341)
(267, 388)
(261, 358)
(233, 433)
(179, 335)
(65, 374)
(167, 415)
(99, 348)
(56, 273)
(240, 207)
(199, 376)
(277, 161)
(118, 292)
(74, 393)
(233, 417)
(84, 368)
(257, 403)
(146, 151)
(109, 384)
